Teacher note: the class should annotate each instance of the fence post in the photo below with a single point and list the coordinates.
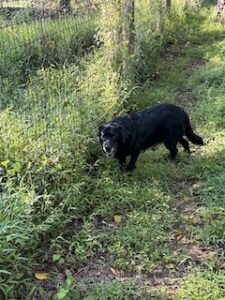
(110, 31)
(187, 4)
(168, 5)
(128, 35)
(220, 7)
(159, 18)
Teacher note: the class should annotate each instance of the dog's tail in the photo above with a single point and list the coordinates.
(194, 138)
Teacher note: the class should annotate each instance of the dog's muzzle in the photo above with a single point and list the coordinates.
(108, 149)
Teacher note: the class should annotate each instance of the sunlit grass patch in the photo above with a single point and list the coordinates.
(202, 286)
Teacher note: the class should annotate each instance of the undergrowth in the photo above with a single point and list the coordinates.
(64, 206)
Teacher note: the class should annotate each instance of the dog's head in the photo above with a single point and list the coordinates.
(111, 136)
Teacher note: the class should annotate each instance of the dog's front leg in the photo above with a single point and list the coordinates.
(132, 162)
(122, 160)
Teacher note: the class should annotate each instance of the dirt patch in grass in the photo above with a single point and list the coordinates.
(100, 272)
(185, 98)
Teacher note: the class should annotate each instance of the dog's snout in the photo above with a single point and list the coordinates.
(107, 148)
(106, 145)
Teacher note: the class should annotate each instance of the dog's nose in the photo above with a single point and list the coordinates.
(107, 148)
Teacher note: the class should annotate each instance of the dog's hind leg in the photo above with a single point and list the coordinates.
(132, 162)
(185, 144)
(171, 145)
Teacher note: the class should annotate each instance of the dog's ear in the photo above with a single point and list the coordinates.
(98, 134)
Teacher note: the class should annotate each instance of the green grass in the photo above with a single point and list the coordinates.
(67, 210)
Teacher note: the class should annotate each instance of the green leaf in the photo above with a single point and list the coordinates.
(5, 162)
(5, 272)
(59, 166)
(117, 219)
(56, 257)
(17, 166)
(62, 293)
(11, 172)
(69, 279)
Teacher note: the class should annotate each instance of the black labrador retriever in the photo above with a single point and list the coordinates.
(130, 134)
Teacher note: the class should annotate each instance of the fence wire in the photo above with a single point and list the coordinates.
(41, 45)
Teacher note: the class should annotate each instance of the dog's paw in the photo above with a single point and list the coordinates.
(123, 168)
(130, 168)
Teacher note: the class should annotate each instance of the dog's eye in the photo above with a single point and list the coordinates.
(113, 136)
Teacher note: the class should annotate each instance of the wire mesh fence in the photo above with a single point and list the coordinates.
(41, 45)
(44, 47)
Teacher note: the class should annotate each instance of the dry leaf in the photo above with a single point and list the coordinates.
(197, 185)
(178, 235)
(155, 181)
(115, 272)
(41, 276)
(117, 219)
(185, 198)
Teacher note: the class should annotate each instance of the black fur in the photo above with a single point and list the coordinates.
(130, 134)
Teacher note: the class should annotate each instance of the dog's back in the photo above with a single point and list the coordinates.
(150, 126)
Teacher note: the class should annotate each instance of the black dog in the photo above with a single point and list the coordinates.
(130, 134)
